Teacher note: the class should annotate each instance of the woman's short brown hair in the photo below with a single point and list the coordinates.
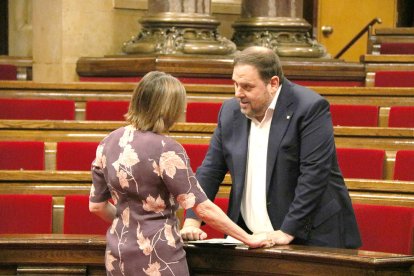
(157, 102)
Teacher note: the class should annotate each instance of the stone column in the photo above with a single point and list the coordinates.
(276, 24)
(179, 27)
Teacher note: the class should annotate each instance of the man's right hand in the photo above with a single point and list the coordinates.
(191, 230)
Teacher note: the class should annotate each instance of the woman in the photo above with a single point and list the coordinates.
(148, 176)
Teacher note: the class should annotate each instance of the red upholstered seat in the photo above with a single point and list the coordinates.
(361, 163)
(354, 115)
(403, 48)
(25, 214)
(8, 72)
(22, 155)
(78, 220)
(385, 228)
(394, 79)
(401, 116)
(75, 156)
(202, 112)
(404, 165)
(212, 233)
(106, 110)
(196, 153)
(37, 109)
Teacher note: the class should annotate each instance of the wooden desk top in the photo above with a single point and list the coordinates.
(88, 250)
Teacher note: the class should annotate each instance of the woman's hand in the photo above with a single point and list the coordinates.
(259, 240)
(192, 233)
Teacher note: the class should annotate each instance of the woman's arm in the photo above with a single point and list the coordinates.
(105, 210)
(216, 218)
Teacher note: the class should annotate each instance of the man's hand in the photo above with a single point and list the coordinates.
(279, 237)
(191, 230)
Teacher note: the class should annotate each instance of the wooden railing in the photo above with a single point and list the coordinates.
(84, 255)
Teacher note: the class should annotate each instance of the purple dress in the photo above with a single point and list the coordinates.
(147, 175)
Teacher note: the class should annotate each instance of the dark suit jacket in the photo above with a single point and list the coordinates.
(306, 193)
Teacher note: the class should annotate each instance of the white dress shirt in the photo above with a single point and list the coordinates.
(253, 206)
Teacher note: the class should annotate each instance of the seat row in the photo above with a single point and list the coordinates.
(203, 112)
(376, 223)
(78, 156)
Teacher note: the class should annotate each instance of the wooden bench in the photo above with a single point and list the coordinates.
(388, 35)
(61, 183)
(50, 132)
(23, 64)
(82, 92)
(84, 255)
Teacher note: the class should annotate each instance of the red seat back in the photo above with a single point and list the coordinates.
(354, 115)
(212, 233)
(385, 228)
(393, 48)
(196, 153)
(8, 72)
(404, 165)
(25, 214)
(36, 109)
(202, 112)
(361, 163)
(394, 79)
(78, 220)
(75, 156)
(106, 110)
(22, 155)
(401, 116)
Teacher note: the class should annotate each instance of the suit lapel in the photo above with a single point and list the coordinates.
(241, 129)
(280, 122)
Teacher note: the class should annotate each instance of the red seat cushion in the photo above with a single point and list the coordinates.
(106, 110)
(78, 220)
(212, 233)
(22, 155)
(25, 214)
(405, 48)
(394, 79)
(196, 153)
(36, 109)
(354, 115)
(75, 156)
(8, 72)
(202, 112)
(404, 165)
(385, 228)
(401, 116)
(361, 163)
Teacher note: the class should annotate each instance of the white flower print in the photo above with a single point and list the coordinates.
(169, 235)
(125, 217)
(113, 226)
(127, 137)
(109, 259)
(123, 181)
(92, 192)
(156, 168)
(154, 205)
(169, 162)
(143, 242)
(100, 160)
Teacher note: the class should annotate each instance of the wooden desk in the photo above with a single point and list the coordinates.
(84, 255)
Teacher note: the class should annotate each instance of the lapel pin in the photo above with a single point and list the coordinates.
(288, 117)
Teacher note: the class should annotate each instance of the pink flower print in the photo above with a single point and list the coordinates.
(100, 160)
(123, 181)
(115, 196)
(92, 192)
(153, 269)
(127, 137)
(169, 162)
(186, 200)
(109, 259)
(154, 205)
(125, 217)
(169, 235)
(144, 243)
(113, 226)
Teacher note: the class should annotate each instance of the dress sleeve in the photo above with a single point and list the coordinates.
(175, 170)
(99, 190)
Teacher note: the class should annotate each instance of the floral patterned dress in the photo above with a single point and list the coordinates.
(147, 175)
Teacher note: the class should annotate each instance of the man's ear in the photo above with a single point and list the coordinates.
(275, 82)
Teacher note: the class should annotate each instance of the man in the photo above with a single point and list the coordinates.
(276, 139)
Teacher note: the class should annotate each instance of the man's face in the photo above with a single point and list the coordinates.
(254, 95)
